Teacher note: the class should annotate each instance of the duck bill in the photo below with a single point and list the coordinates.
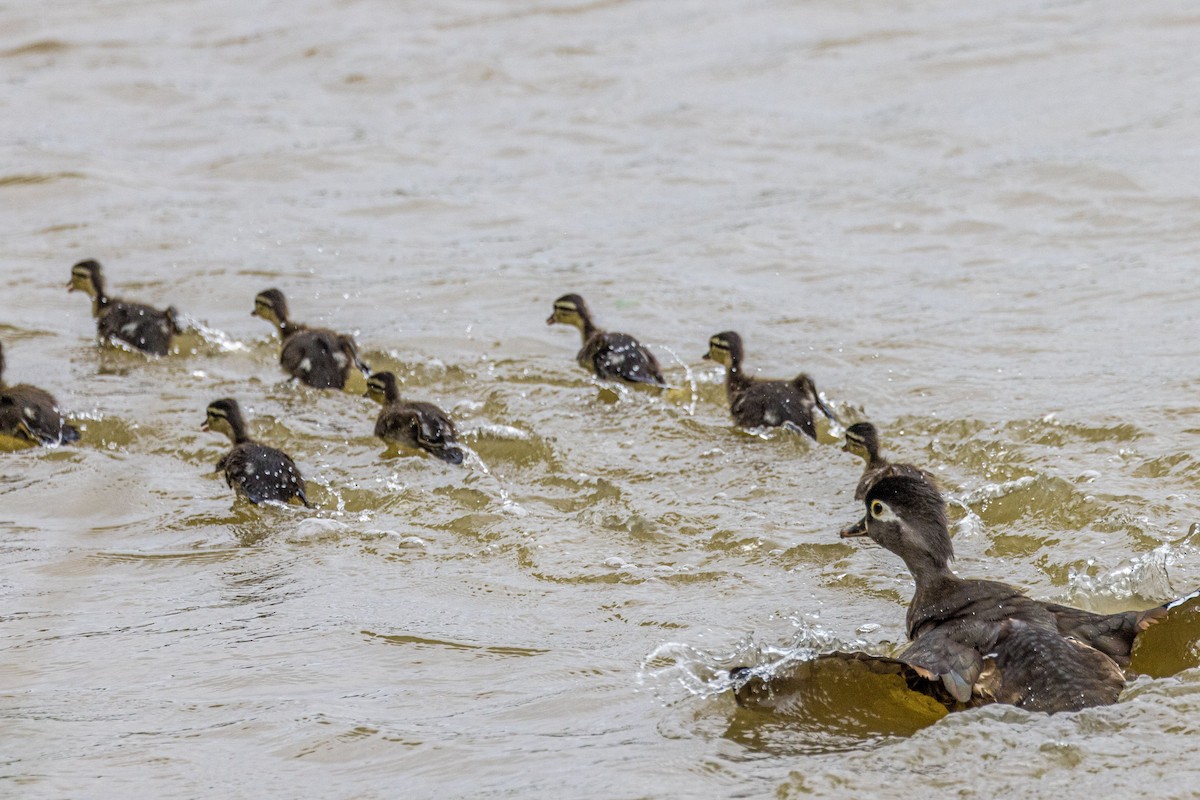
(205, 427)
(707, 356)
(550, 320)
(70, 286)
(857, 529)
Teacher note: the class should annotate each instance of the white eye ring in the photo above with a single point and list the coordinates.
(877, 509)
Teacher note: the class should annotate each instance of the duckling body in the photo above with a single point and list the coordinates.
(140, 326)
(31, 414)
(258, 472)
(318, 357)
(755, 403)
(418, 425)
(974, 642)
(608, 355)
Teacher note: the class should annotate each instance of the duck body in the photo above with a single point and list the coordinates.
(262, 473)
(413, 424)
(607, 355)
(137, 325)
(256, 471)
(755, 403)
(317, 357)
(31, 414)
(974, 642)
(619, 356)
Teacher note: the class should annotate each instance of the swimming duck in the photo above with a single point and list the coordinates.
(609, 355)
(259, 472)
(412, 424)
(31, 414)
(755, 403)
(974, 642)
(318, 357)
(140, 326)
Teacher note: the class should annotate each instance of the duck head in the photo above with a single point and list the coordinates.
(570, 310)
(271, 306)
(224, 416)
(87, 278)
(862, 439)
(725, 348)
(383, 388)
(908, 516)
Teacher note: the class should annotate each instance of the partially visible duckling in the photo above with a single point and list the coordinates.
(31, 414)
(318, 357)
(755, 403)
(412, 424)
(140, 326)
(259, 472)
(608, 355)
(862, 439)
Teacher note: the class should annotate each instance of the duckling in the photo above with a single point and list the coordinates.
(975, 642)
(140, 326)
(412, 424)
(259, 472)
(755, 403)
(30, 413)
(318, 357)
(608, 355)
(862, 439)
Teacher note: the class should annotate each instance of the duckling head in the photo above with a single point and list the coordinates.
(224, 416)
(87, 278)
(271, 306)
(570, 310)
(725, 348)
(862, 439)
(383, 388)
(907, 515)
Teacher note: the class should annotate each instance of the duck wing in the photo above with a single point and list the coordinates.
(1111, 634)
(843, 691)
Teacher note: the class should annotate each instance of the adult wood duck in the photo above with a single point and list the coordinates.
(412, 424)
(142, 327)
(31, 414)
(756, 403)
(975, 642)
(608, 355)
(259, 472)
(318, 357)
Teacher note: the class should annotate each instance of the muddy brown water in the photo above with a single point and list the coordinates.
(975, 226)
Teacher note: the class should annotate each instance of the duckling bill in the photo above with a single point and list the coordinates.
(258, 472)
(608, 355)
(139, 326)
(407, 423)
(31, 414)
(318, 357)
(976, 642)
(756, 403)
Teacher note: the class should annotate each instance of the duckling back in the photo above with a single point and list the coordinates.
(315, 357)
(142, 327)
(620, 356)
(262, 473)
